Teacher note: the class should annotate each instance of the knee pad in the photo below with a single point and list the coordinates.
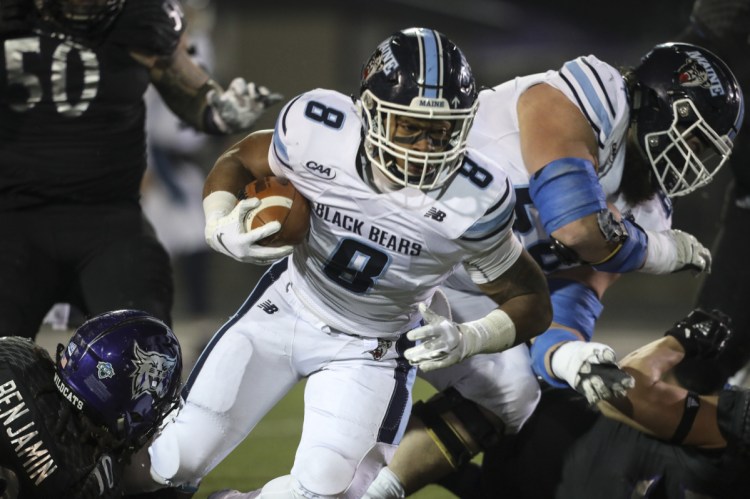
(179, 456)
(283, 487)
(458, 426)
(322, 473)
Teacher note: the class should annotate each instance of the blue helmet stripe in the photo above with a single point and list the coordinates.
(432, 63)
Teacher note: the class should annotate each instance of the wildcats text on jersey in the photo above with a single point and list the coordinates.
(374, 233)
(37, 461)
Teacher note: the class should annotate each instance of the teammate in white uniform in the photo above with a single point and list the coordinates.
(397, 204)
(586, 211)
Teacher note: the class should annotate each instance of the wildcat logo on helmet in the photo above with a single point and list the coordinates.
(691, 74)
(703, 75)
(384, 61)
(153, 371)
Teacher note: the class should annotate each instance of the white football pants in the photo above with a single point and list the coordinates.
(357, 396)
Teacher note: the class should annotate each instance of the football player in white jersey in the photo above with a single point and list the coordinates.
(398, 202)
(594, 154)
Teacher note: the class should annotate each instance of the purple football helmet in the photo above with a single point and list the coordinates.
(123, 369)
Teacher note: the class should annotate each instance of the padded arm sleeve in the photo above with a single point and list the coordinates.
(565, 190)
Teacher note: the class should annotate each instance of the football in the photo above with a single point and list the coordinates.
(279, 201)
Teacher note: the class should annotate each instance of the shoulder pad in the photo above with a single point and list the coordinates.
(314, 120)
(150, 27)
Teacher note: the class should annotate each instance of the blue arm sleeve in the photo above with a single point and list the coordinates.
(565, 190)
(574, 305)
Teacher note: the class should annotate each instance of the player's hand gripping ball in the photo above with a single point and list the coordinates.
(279, 201)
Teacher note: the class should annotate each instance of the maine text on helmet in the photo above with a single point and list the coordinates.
(388, 60)
(713, 78)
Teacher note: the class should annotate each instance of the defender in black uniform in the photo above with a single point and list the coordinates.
(686, 436)
(69, 427)
(72, 150)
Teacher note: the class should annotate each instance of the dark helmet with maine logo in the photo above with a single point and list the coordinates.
(417, 73)
(122, 369)
(687, 110)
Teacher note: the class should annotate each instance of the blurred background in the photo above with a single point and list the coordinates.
(292, 46)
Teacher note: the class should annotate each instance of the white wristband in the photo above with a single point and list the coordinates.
(217, 204)
(565, 363)
(494, 332)
(661, 253)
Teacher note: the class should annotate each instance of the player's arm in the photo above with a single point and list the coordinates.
(153, 33)
(509, 275)
(240, 164)
(559, 150)
(659, 408)
(521, 293)
(664, 408)
(225, 213)
(200, 101)
(564, 355)
(181, 82)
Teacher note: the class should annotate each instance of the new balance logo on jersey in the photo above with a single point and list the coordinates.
(268, 307)
(435, 214)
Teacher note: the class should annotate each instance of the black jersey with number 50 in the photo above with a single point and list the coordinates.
(71, 111)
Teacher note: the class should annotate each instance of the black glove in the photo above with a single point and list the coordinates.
(702, 334)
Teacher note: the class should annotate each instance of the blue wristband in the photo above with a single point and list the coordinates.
(574, 305)
(539, 348)
(565, 190)
(631, 254)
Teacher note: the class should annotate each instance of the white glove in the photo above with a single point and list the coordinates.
(674, 250)
(225, 232)
(591, 369)
(240, 105)
(444, 343)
